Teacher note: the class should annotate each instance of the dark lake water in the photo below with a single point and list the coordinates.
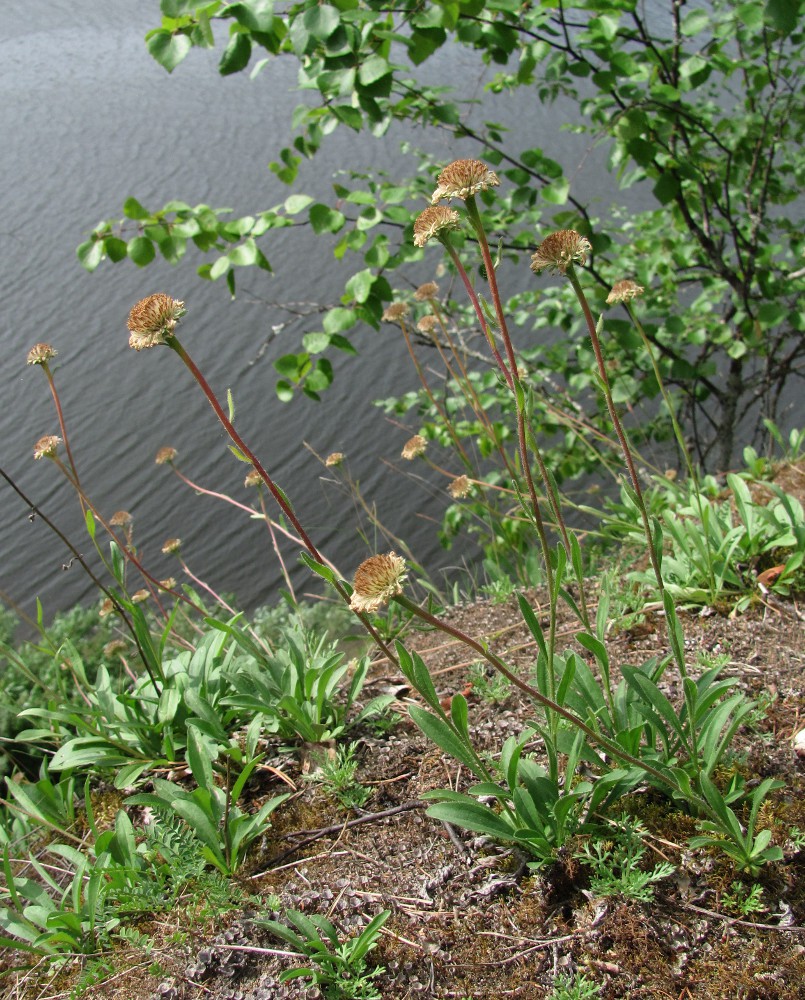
(89, 119)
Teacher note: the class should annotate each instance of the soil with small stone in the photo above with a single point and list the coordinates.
(469, 918)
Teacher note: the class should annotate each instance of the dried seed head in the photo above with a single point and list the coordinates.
(427, 323)
(106, 608)
(140, 596)
(460, 487)
(559, 250)
(334, 458)
(435, 223)
(153, 320)
(46, 446)
(624, 291)
(463, 178)
(395, 312)
(171, 545)
(253, 478)
(121, 519)
(427, 291)
(40, 354)
(115, 646)
(168, 584)
(377, 580)
(166, 455)
(414, 447)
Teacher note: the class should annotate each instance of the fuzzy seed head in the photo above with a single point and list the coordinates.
(153, 320)
(46, 446)
(40, 354)
(334, 458)
(166, 455)
(377, 580)
(427, 291)
(253, 478)
(460, 487)
(396, 312)
(559, 250)
(414, 447)
(171, 546)
(435, 223)
(427, 323)
(121, 519)
(462, 179)
(624, 291)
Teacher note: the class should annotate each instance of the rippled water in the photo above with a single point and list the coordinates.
(88, 119)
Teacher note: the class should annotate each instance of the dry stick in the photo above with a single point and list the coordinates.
(277, 493)
(36, 512)
(63, 427)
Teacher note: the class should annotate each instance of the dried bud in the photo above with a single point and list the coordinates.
(414, 447)
(171, 546)
(153, 320)
(559, 250)
(395, 312)
(168, 584)
(121, 519)
(40, 354)
(46, 446)
(115, 646)
(140, 596)
(435, 223)
(462, 179)
(427, 291)
(460, 487)
(166, 455)
(624, 291)
(427, 323)
(253, 478)
(334, 458)
(377, 580)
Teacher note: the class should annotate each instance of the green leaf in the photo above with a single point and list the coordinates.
(471, 815)
(321, 21)
(326, 220)
(783, 14)
(167, 48)
(141, 251)
(236, 54)
(90, 254)
(440, 733)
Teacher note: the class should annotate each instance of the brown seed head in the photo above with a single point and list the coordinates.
(460, 487)
(106, 608)
(414, 447)
(166, 455)
(395, 312)
(435, 223)
(462, 179)
(377, 580)
(121, 519)
(427, 291)
(115, 646)
(139, 596)
(168, 584)
(624, 291)
(427, 324)
(171, 545)
(253, 478)
(334, 458)
(40, 354)
(46, 446)
(559, 250)
(153, 320)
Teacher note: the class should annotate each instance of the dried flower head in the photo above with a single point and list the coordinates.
(464, 178)
(253, 478)
(334, 458)
(106, 608)
(427, 323)
(624, 291)
(166, 455)
(153, 320)
(559, 250)
(115, 646)
(435, 223)
(460, 487)
(121, 519)
(168, 584)
(414, 447)
(139, 596)
(427, 291)
(377, 580)
(46, 446)
(171, 545)
(40, 354)
(395, 312)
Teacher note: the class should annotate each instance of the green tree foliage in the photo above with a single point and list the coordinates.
(700, 103)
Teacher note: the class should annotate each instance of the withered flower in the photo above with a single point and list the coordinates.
(40, 354)
(624, 291)
(171, 545)
(395, 312)
(334, 458)
(377, 580)
(168, 584)
(427, 291)
(153, 320)
(427, 323)
(414, 447)
(106, 608)
(121, 519)
(46, 446)
(253, 478)
(459, 487)
(166, 455)
(559, 250)
(139, 596)
(115, 646)
(463, 178)
(435, 223)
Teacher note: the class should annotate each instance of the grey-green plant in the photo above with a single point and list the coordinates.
(336, 964)
(615, 862)
(337, 777)
(575, 986)
(212, 813)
